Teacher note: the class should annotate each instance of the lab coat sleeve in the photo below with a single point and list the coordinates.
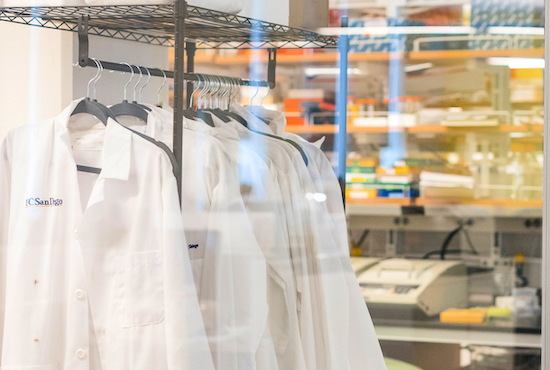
(185, 333)
(5, 185)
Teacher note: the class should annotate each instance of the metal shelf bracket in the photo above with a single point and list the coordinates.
(83, 42)
(271, 66)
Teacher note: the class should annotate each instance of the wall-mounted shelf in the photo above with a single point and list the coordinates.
(437, 129)
(431, 129)
(317, 58)
(332, 58)
(445, 207)
(464, 54)
(333, 129)
(155, 24)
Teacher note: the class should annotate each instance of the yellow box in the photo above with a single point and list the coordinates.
(356, 194)
(463, 316)
(363, 162)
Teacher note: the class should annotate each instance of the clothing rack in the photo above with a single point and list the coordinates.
(186, 28)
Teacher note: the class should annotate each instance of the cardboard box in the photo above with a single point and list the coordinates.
(307, 14)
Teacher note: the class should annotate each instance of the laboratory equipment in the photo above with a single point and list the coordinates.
(426, 286)
(360, 264)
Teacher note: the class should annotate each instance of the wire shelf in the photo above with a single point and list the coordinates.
(154, 24)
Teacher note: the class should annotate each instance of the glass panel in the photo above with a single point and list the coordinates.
(444, 179)
(442, 186)
(444, 170)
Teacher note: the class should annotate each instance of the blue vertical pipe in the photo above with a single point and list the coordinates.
(342, 108)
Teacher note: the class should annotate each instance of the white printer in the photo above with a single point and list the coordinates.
(428, 285)
(360, 264)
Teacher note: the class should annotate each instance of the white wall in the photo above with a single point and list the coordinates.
(110, 86)
(35, 74)
(275, 11)
(38, 80)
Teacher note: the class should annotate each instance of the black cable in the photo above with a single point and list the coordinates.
(474, 251)
(362, 238)
(448, 241)
(450, 251)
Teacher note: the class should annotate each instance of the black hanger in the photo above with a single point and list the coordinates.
(206, 117)
(221, 115)
(295, 145)
(161, 145)
(238, 118)
(129, 109)
(143, 106)
(87, 106)
(93, 108)
(96, 109)
(190, 114)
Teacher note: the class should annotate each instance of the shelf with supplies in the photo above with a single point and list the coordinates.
(503, 128)
(332, 58)
(333, 129)
(306, 57)
(432, 129)
(445, 207)
(466, 54)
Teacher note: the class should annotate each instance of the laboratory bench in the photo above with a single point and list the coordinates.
(528, 325)
(462, 337)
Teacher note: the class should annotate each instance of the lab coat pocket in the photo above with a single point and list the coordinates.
(39, 367)
(140, 278)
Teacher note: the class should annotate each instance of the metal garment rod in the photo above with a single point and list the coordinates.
(169, 74)
(342, 109)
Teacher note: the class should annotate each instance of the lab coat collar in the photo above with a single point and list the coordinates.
(227, 130)
(116, 156)
(198, 125)
(277, 121)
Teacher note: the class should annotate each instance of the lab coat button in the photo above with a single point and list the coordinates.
(80, 295)
(81, 354)
(76, 234)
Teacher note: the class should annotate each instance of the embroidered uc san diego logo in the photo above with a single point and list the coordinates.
(37, 202)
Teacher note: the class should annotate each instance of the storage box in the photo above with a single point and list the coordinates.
(293, 106)
(306, 14)
(463, 316)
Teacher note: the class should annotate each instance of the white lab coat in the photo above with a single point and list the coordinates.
(227, 261)
(105, 286)
(363, 343)
(265, 207)
(267, 149)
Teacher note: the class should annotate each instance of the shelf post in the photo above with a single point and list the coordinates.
(342, 108)
(191, 47)
(180, 13)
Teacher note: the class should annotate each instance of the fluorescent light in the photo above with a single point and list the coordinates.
(312, 71)
(534, 31)
(318, 197)
(417, 67)
(406, 30)
(517, 63)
